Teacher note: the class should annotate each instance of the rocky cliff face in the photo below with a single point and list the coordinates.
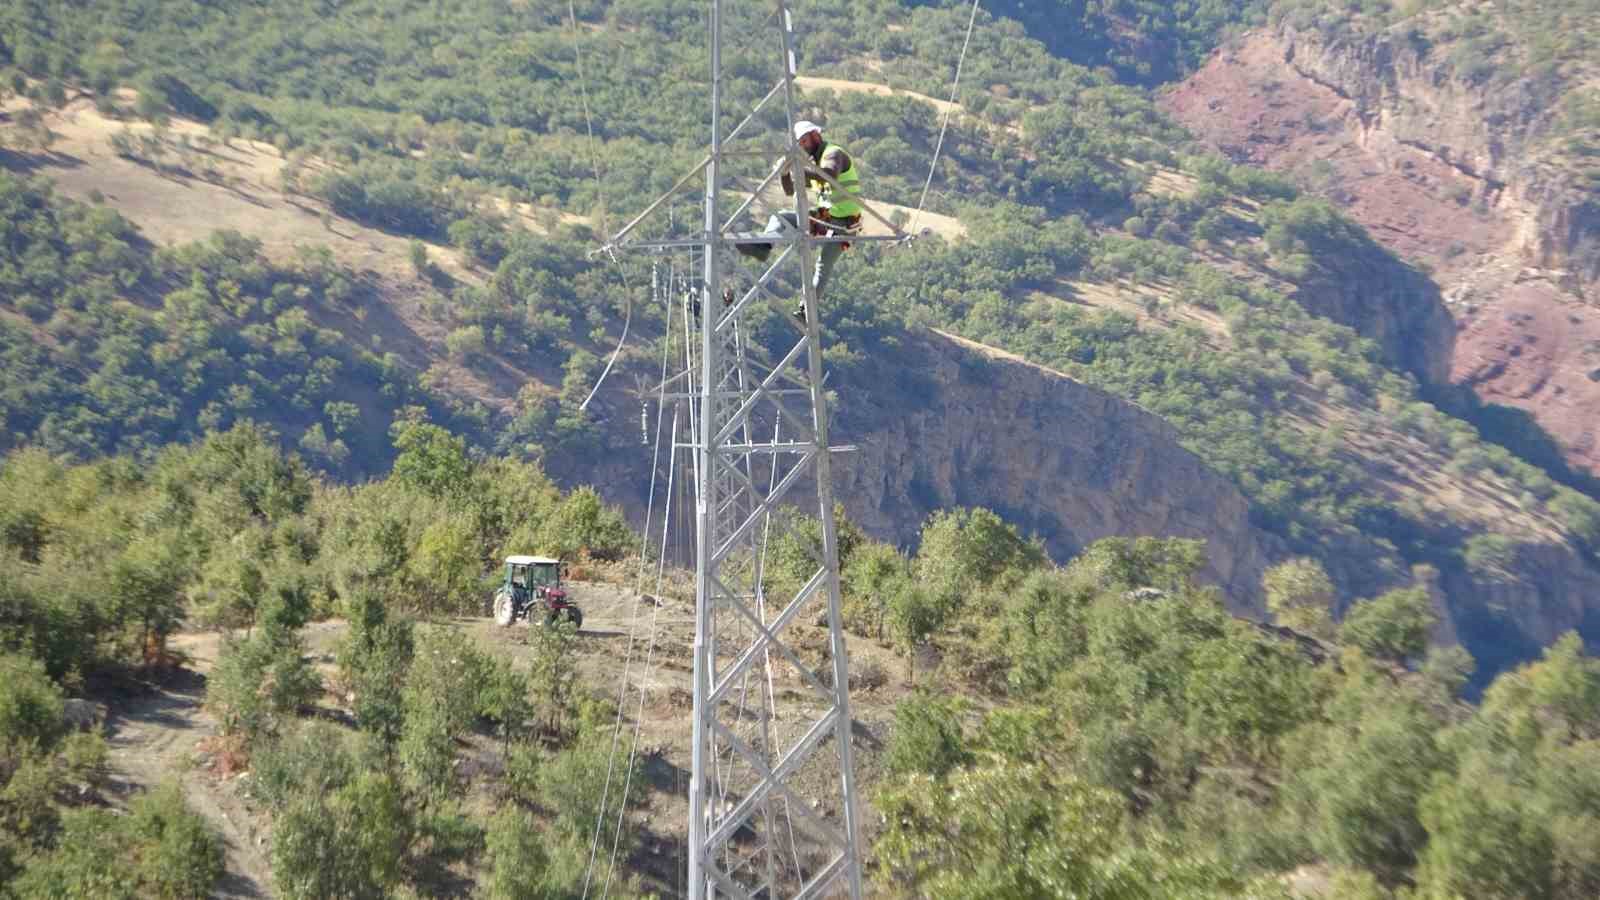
(947, 422)
(1408, 98)
(975, 427)
(1386, 300)
(1461, 177)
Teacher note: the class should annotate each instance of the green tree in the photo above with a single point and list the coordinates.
(1393, 626)
(181, 856)
(915, 614)
(1517, 815)
(160, 849)
(963, 549)
(446, 567)
(572, 782)
(465, 343)
(874, 573)
(582, 523)
(261, 682)
(349, 844)
(1044, 626)
(553, 670)
(1012, 830)
(517, 857)
(440, 701)
(432, 460)
(1166, 564)
(1300, 595)
(374, 658)
(1358, 781)
(30, 703)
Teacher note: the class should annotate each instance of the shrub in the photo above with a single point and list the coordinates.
(517, 857)
(465, 343)
(30, 703)
(260, 682)
(1580, 515)
(446, 567)
(440, 702)
(1393, 626)
(1490, 554)
(348, 844)
(504, 696)
(553, 673)
(160, 849)
(312, 760)
(179, 854)
(374, 658)
(573, 781)
(583, 523)
(1300, 596)
(927, 737)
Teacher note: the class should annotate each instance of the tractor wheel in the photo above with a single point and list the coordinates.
(504, 612)
(575, 616)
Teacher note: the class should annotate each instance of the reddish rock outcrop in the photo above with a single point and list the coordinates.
(1448, 174)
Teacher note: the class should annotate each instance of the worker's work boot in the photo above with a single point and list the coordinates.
(758, 252)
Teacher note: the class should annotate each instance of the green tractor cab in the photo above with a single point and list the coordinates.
(533, 584)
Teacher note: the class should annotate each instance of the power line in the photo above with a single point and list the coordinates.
(644, 546)
(954, 88)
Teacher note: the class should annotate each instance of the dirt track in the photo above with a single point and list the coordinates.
(153, 738)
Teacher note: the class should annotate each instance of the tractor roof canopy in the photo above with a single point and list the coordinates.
(532, 561)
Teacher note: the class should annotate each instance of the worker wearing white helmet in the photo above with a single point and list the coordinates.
(834, 182)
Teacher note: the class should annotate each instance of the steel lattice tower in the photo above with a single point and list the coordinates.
(772, 801)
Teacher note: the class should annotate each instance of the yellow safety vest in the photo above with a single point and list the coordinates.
(841, 206)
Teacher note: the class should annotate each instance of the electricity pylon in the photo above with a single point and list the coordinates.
(772, 801)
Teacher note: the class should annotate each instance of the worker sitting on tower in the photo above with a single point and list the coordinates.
(836, 212)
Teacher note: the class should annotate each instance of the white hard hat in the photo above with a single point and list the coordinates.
(803, 128)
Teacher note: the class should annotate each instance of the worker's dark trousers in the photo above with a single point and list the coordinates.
(827, 256)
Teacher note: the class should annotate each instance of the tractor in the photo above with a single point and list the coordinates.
(533, 583)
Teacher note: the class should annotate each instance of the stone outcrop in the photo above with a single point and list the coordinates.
(973, 426)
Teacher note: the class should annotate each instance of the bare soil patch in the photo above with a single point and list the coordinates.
(813, 83)
(1250, 105)
(1536, 348)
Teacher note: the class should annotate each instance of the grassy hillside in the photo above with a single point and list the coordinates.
(1129, 738)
